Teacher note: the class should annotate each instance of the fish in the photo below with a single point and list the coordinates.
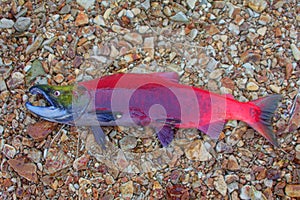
(156, 100)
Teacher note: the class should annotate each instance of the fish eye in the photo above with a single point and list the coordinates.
(56, 93)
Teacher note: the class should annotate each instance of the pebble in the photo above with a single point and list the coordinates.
(197, 151)
(2, 85)
(35, 45)
(250, 56)
(34, 71)
(233, 28)
(56, 160)
(126, 190)
(295, 51)
(249, 192)
(26, 170)
(59, 78)
(292, 190)
(81, 162)
(262, 31)
(191, 3)
(133, 38)
(40, 130)
(35, 155)
(220, 185)
(149, 46)
(264, 19)
(275, 88)
(297, 148)
(86, 4)
(180, 17)
(65, 10)
(257, 5)
(22, 24)
(16, 80)
(9, 151)
(6, 23)
(233, 164)
(99, 20)
(81, 19)
(128, 142)
(216, 74)
(251, 86)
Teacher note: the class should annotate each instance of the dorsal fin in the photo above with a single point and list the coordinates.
(171, 76)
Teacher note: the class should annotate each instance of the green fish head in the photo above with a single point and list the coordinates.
(65, 103)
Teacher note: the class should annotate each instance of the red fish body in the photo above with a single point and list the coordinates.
(158, 100)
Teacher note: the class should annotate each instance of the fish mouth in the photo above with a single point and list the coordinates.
(51, 111)
(50, 103)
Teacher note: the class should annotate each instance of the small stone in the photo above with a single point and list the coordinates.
(35, 45)
(22, 24)
(233, 28)
(233, 164)
(6, 23)
(99, 20)
(40, 130)
(17, 79)
(81, 19)
(193, 34)
(167, 11)
(264, 19)
(109, 180)
(251, 86)
(278, 32)
(65, 10)
(146, 4)
(126, 190)
(56, 160)
(59, 78)
(233, 10)
(9, 151)
(250, 56)
(216, 74)
(179, 17)
(2, 85)
(262, 31)
(295, 51)
(275, 88)
(197, 151)
(220, 185)
(86, 4)
(149, 46)
(134, 38)
(81, 162)
(128, 142)
(212, 30)
(297, 148)
(26, 170)
(35, 70)
(191, 3)
(257, 5)
(292, 190)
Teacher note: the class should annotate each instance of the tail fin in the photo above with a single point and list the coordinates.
(267, 105)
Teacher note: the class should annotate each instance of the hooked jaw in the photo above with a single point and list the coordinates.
(54, 112)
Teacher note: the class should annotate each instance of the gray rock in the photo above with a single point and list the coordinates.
(35, 45)
(179, 17)
(128, 142)
(22, 24)
(86, 4)
(66, 9)
(295, 51)
(6, 23)
(35, 70)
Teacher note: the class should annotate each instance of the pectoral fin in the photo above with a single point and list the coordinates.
(107, 116)
(99, 135)
(165, 135)
(213, 129)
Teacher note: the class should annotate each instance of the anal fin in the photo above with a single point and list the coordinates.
(99, 136)
(213, 129)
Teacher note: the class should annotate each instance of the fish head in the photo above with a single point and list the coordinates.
(64, 104)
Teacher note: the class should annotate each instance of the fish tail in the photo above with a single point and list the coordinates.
(268, 106)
